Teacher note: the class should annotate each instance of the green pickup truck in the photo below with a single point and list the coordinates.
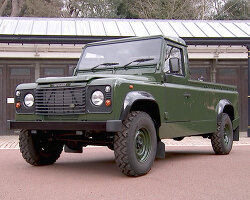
(126, 94)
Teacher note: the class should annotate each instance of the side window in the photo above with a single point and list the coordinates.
(173, 53)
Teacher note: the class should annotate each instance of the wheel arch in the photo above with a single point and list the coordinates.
(141, 101)
(225, 106)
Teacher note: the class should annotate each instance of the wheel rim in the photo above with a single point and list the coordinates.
(227, 134)
(45, 149)
(142, 145)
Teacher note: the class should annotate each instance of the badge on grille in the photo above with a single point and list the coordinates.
(59, 84)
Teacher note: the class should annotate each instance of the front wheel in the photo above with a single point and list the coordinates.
(38, 151)
(222, 139)
(135, 146)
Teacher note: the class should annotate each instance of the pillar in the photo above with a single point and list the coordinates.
(248, 129)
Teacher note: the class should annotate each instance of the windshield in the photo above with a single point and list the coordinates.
(120, 54)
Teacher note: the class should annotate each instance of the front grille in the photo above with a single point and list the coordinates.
(60, 101)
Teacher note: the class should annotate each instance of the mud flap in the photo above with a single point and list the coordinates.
(236, 136)
(69, 150)
(160, 152)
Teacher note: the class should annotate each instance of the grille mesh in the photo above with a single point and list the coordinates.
(60, 101)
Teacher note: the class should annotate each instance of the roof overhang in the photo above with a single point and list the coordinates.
(84, 30)
(45, 39)
(244, 41)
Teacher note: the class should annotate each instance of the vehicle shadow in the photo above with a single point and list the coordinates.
(98, 166)
(172, 155)
(106, 166)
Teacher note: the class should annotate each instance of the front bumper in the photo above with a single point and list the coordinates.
(108, 126)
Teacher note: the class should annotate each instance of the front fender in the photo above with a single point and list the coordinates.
(220, 108)
(131, 98)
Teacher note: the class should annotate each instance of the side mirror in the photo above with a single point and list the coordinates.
(174, 64)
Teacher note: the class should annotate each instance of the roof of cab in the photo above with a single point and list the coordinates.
(172, 39)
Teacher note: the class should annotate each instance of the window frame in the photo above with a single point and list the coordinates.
(181, 60)
(19, 69)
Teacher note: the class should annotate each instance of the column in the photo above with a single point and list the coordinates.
(248, 130)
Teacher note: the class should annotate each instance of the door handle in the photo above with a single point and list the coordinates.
(187, 95)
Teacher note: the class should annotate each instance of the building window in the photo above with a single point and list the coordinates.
(197, 73)
(227, 72)
(1, 71)
(71, 69)
(20, 72)
(53, 72)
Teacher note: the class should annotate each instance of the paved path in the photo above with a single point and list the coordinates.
(11, 142)
(190, 173)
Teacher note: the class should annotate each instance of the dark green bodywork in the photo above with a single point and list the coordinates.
(180, 106)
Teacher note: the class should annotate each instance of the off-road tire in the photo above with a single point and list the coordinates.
(36, 152)
(126, 144)
(222, 139)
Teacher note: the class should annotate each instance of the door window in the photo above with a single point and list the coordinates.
(173, 52)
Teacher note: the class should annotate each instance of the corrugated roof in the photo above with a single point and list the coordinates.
(124, 27)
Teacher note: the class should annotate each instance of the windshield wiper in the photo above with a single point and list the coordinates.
(138, 61)
(104, 64)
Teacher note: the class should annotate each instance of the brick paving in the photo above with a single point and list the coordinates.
(11, 141)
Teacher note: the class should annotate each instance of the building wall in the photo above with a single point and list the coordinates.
(15, 71)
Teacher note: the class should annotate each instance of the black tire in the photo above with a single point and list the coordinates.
(37, 151)
(222, 139)
(135, 146)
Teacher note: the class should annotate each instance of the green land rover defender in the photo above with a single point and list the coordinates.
(126, 94)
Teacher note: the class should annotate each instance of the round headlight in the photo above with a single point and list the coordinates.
(29, 100)
(97, 98)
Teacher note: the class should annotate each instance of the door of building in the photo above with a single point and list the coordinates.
(16, 74)
(2, 103)
(235, 76)
(243, 90)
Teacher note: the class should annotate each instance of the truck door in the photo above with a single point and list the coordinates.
(176, 91)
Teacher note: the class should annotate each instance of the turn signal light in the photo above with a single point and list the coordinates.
(131, 87)
(108, 102)
(18, 105)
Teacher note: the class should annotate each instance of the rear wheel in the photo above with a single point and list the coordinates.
(135, 146)
(38, 151)
(222, 139)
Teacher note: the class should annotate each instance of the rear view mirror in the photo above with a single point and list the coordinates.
(174, 64)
